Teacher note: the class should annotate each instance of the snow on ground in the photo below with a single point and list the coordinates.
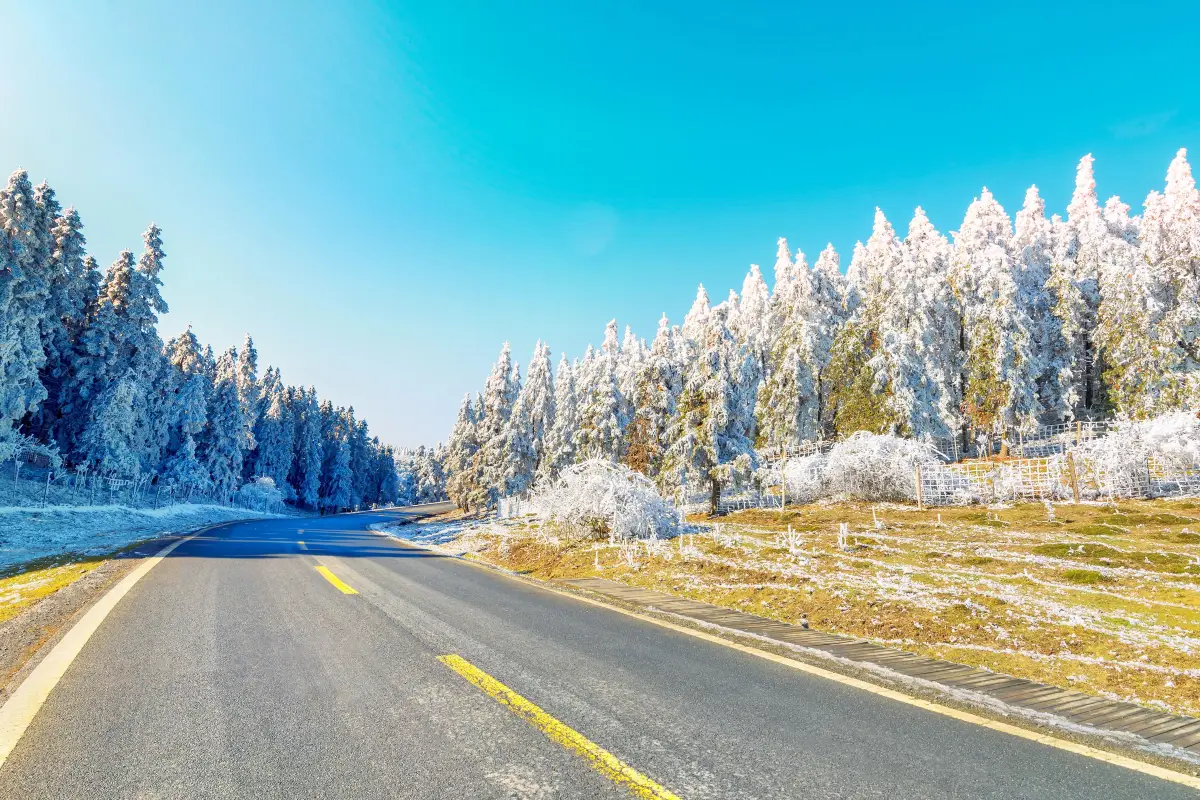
(29, 532)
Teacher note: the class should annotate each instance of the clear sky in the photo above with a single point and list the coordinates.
(382, 193)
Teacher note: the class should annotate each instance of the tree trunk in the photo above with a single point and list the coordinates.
(716, 497)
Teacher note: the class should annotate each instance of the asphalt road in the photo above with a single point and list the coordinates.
(235, 669)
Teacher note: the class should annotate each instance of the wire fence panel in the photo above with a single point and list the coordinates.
(1058, 477)
(28, 486)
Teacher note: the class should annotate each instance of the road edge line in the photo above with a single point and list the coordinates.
(598, 758)
(937, 708)
(27, 699)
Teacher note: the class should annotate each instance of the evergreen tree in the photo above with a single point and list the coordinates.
(276, 436)
(66, 309)
(183, 467)
(856, 400)
(1033, 251)
(559, 445)
(340, 493)
(1171, 231)
(106, 441)
(532, 415)
(696, 321)
(1001, 368)
(752, 324)
(659, 386)
(1075, 278)
(712, 433)
(144, 348)
(24, 286)
(249, 393)
(387, 478)
(601, 425)
(498, 398)
(307, 456)
(461, 457)
(914, 364)
(224, 436)
(103, 355)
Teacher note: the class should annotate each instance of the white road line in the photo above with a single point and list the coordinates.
(24, 703)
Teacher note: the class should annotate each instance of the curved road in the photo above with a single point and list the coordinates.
(235, 669)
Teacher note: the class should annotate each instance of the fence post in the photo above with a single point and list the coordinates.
(1074, 476)
(1078, 433)
(783, 485)
(920, 490)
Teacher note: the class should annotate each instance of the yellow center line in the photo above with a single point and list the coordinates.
(597, 757)
(336, 581)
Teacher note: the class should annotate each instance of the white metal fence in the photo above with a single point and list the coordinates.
(1056, 477)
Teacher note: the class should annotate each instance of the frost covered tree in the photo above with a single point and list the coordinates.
(631, 359)
(696, 320)
(1075, 279)
(914, 364)
(107, 440)
(103, 354)
(307, 456)
(24, 287)
(712, 433)
(224, 436)
(855, 400)
(144, 347)
(183, 467)
(1171, 242)
(752, 323)
(339, 494)
(532, 416)
(498, 398)
(658, 389)
(1001, 369)
(1033, 253)
(276, 437)
(66, 307)
(559, 444)
(601, 425)
(462, 453)
(249, 392)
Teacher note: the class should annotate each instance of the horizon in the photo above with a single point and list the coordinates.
(533, 175)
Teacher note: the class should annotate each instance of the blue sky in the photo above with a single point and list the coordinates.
(382, 193)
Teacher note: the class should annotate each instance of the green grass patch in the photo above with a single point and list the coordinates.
(1085, 577)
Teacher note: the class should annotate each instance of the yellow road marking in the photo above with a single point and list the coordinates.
(24, 703)
(336, 581)
(303, 546)
(597, 757)
(936, 708)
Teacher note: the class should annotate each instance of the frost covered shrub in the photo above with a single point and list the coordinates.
(1118, 463)
(805, 478)
(868, 466)
(607, 499)
(260, 494)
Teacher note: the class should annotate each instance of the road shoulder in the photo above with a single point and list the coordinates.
(31, 633)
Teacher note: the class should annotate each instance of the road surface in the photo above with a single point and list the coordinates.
(236, 669)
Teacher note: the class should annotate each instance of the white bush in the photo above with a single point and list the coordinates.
(805, 478)
(872, 467)
(607, 499)
(261, 494)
